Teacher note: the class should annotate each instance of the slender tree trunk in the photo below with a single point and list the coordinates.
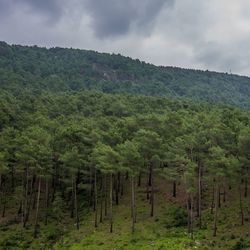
(199, 194)
(111, 202)
(116, 190)
(191, 217)
(126, 175)
(246, 187)
(152, 193)
(188, 212)
(105, 196)
(219, 201)
(12, 179)
(37, 208)
(35, 197)
(174, 188)
(91, 188)
(46, 201)
(72, 198)
(216, 209)
(212, 203)
(149, 182)
(32, 183)
(23, 201)
(26, 196)
(4, 208)
(241, 206)
(122, 185)
(95, 188)
(101, 207)
(76, 205)
(19, 211)
(4, 202)
(133, 202)
(119, 182)
(139, 179)
(224, 194)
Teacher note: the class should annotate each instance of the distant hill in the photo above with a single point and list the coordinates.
(60, 69)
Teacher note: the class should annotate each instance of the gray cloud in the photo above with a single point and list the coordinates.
(115, 17)
(212, 34)
(52, 8)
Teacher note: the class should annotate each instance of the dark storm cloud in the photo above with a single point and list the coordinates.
(115, 17)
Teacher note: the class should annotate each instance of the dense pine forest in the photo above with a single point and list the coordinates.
(100, 151)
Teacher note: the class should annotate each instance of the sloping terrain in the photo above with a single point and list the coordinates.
(59, 69)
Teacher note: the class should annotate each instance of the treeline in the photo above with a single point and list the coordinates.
(59, 69)
(56, 148)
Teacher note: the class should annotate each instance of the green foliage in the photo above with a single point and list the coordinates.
(57, 127)
(59, 69)
(58, 207)
(240, 245)
(176, 217)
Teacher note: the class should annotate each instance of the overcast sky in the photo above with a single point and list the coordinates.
(204, 34)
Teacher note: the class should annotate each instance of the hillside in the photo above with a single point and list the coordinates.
(87, 170)
(60, 69)
(148, 167)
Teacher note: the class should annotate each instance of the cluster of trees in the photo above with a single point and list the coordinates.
(59, 69)
(74, 151)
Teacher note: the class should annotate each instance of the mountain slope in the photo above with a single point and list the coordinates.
(59, 69)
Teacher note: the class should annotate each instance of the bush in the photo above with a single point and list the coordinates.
(176, 217)
(240, 244)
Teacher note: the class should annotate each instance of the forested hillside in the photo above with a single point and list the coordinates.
(128, 159)
(59, 69)
(140, 169)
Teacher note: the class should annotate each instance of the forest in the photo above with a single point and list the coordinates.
(88, 162)
(60, 69)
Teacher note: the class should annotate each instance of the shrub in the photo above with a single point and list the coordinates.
(176, 217)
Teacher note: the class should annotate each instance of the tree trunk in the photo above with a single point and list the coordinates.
(32, 183)
(139, 179)
(133, 202)
(72, 198)
(241, 206)
(212, 203)
(219, 201)
(12, 179)
(188, 212)
(111, 202)
(105, 196)
(216, 209)
(174, 188)
(4, 202)
(199, 194)
(46, 201)
(122, 184)
(95, 188)
(246, 187)
(91, 188)
(116, 190)
(149, 182)
(37, 208)
(26, 196)
(76, 205)
(224, 194)
(101, 207)
(191, 216)
(152, 193)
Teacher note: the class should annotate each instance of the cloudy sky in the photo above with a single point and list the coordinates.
(204, 34)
